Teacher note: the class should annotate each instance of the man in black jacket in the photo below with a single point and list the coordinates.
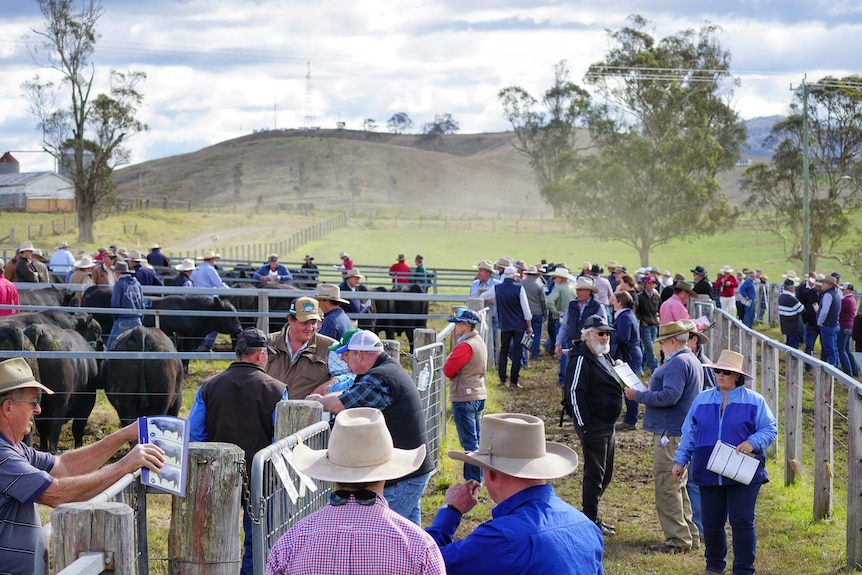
(594, 400)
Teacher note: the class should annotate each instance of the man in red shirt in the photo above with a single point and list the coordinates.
(400, 271)
(8, 294)
(726, 285)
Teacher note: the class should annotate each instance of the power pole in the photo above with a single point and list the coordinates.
(309, 103)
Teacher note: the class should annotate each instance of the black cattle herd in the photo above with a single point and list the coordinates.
(139, 387)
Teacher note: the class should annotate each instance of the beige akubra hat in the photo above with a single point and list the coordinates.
(187, 264)
(16, 374)
(560, 272)
(330, 292)
(209, 255)
(360, 451)
(586, 283)
(514, 444)
(731, 361)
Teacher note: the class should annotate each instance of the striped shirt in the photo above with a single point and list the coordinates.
(353, 539)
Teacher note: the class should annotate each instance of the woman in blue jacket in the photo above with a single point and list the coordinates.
(738, 416)
(626, 346)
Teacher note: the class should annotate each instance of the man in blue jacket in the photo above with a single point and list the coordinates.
(127, 294)
(531, 529)
(273, 272)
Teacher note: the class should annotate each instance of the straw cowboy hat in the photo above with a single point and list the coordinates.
(62, 245)
(360, 451)
(560, 272)
(484, 265)
(514, 444)
(829, 280)
(504, 262)
(16, 374)
(586, 283)
(692, 329)
(532, 271)
(85, 262)
(122, 266)
(671, 329)
(25, 246)
(329, 292)
(187, 265)
(209, 255)
(137, 256)
(791, 275)
(727, 270)
(730, 360)
(353, 273)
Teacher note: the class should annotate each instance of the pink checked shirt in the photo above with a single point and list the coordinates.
(354, 539)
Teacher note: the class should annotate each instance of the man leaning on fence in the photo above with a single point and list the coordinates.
(28, 476)
(238, 406)
(357, 533)
(382, 383)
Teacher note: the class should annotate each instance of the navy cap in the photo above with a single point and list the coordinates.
(598, 322)
(251, 337)
(465, 315)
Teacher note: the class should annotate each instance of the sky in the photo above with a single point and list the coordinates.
(219, 69)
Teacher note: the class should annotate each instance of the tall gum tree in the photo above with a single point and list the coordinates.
(663, 130)
(84, 132)
(546, 132)
(775, 190)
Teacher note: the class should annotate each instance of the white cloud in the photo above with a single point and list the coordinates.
(216, 69)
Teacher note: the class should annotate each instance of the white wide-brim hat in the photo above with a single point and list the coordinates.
(514, 444)
(360, 451)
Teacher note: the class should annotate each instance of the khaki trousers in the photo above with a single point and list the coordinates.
(671, 498)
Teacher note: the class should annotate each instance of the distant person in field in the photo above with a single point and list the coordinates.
(25, 267)
(146, 276)
(827, 319)
(513, 312)
(126, 295)
(845, 323)
(62, 261)
(420, 274)
(349, 287)
(726, 284)
(82, 275)
(206, 276)
(102, 273)
(310, 273)
(184, 278)
(272, 272)
(647, 311)
(535, 291)
(399, 271)
(702, 285)
(346, 264)
(8, 294)
(626, 347)
(156, 258)
(809, 296)
(790, 311)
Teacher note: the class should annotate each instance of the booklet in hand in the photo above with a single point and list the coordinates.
(726, 461)
(172, 435)
(628, 377)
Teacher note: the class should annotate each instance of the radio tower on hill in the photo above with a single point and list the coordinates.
(309, 104)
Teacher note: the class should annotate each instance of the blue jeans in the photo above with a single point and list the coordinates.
(748, 314)
(631, 417)
(121, 325)
(829, 344)
(506, 340)
(564, 363)
(553, 325)
(404, 497)
(468, 423)
(793, 341)
(648, 335)
(210, 340)
(735, 503)
(810, 333)
(536, 323)
(845, 354)
(248, 555)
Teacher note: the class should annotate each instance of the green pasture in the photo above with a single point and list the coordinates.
(377, 236)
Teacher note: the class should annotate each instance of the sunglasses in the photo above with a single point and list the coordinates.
(603, 334)
(726, 372)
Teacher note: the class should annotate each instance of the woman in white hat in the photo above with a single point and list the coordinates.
(736, 415)
(82, 275)
(356, 532)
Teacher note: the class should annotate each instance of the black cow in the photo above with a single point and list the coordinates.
(99, 296)
(12, 338)
(393, 327)
(138, 387)
(49, 296)
(73, 380)
(83, 323)
(276, 304)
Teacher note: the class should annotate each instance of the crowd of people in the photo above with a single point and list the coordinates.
(378, 456)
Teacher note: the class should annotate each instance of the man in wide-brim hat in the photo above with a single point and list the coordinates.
(335, 321)
(517, 463)
(672, 389)
(357, 532)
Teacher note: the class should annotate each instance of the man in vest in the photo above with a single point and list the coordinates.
(381, 382)
(827, 319)
(515, 317)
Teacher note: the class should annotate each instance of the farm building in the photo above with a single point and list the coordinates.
(33, 191)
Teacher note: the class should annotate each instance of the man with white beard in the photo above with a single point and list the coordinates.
(593, 396)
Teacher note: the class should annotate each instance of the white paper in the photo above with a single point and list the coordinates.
(628, 377)
(702, 320)
(726, 461)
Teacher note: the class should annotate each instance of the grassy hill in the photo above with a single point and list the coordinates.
(479, 174)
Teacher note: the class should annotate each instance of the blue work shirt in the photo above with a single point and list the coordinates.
(533, 531)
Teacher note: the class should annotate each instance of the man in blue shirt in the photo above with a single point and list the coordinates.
(531, 529)
(335, 321)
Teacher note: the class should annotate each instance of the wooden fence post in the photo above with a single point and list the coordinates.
(82, 527)
(824, 400)
(792, 420)
(205, 524)
(854, 480)
(263, 307)
(295, 414)
(393, 348)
